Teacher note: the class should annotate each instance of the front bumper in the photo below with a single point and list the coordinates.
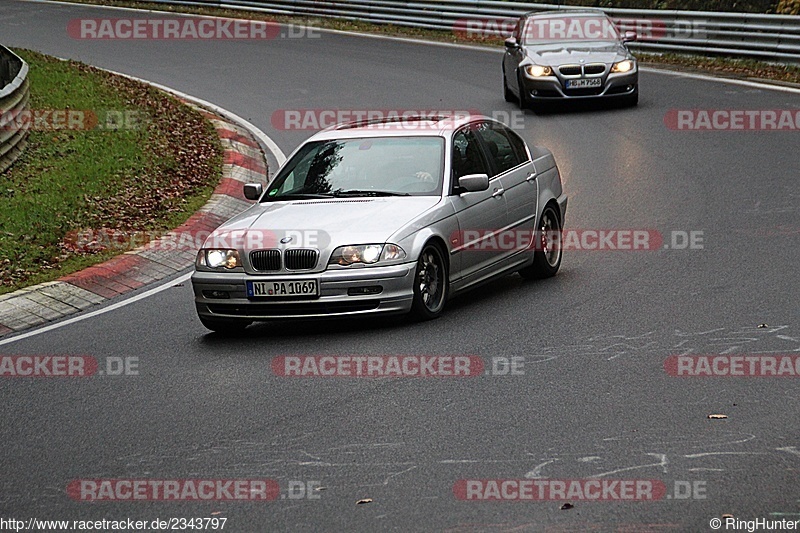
(396, 283)
(553, 87)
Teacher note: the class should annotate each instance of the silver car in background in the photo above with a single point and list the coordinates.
(388, 216)
(568, 55)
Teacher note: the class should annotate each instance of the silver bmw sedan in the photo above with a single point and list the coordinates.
(386, 216)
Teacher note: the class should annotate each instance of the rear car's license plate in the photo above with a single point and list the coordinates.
(283, 289)
(584, 83)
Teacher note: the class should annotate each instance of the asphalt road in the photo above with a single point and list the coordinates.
(593, 398)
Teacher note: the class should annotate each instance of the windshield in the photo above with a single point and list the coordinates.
(383, 166)
(573, 28)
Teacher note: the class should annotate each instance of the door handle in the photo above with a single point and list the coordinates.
(498, 192)
(531, 177)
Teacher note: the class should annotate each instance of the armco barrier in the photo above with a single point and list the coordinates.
(14, 97)
(766, 37)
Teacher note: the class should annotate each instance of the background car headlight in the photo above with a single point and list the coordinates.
(622, 66)
(538, 70)
(213, 258)
(366, 253)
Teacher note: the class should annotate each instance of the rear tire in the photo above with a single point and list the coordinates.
(547, 255)
(431, 285)
(225, 326)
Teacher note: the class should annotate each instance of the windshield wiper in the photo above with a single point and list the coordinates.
(296, 196)
(367, 192)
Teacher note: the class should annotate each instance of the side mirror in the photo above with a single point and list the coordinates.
(630, 36)
(253, 191)
(474, 182)
(511, 43)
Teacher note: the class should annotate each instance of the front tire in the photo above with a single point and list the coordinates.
(507, 94)
(225, 326)
(547, 255)
(431, 284)
(633, 99)
(524, 101)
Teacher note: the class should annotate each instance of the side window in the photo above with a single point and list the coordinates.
(501, 151)
(519, 146)
(467, 157)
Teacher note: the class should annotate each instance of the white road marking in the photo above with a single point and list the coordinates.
(91, 314)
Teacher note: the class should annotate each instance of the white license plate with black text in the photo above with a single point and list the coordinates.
(283, 288)
(586, 83)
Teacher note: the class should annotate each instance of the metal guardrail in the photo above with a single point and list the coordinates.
(767, 37)
(14, 98)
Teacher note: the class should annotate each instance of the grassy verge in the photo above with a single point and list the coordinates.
(717, 65)
(146, 173)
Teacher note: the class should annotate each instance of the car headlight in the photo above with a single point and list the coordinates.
(538, 71)
(214, 258)
(366, 253)
(623, 66)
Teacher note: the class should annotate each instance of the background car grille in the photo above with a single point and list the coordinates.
(266, 260)
(595, 68)
(300, 259)
(570, 70)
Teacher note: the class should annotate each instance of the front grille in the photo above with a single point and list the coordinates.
(570, 70)
(266, 260)
(595, 68)
(293, 309)
(300, 259)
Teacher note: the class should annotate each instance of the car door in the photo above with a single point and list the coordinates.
(479, 214)
(511, 164)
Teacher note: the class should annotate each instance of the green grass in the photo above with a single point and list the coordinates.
(128, 179)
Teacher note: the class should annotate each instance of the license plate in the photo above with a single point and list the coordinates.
(584, 83)
(283, 289)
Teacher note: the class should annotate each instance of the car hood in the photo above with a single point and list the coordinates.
(333, 222)
(573, 52)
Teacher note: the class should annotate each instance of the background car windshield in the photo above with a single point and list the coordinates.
(569, 28)
(393, 165)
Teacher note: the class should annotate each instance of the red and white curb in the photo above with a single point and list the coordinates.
(244, 162)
